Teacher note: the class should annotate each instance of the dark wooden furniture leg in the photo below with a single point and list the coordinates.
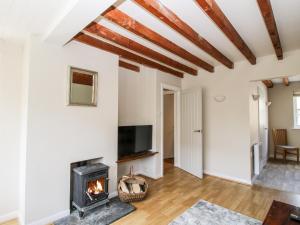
(284, 155)
(297, 155)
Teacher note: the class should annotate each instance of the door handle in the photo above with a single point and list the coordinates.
(197, 131)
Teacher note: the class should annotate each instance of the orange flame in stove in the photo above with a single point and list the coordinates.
(95, 188)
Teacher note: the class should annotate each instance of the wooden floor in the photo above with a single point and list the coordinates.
(12, 222)
(177, 191)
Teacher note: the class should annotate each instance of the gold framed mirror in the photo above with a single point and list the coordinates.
(83, 87)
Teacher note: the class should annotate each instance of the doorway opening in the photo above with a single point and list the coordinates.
(276, 140)
(169, 128)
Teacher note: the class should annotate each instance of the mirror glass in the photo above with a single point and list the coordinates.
(83, 87)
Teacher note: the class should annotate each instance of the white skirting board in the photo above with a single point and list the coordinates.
(150, 176)
(230, 178)
(9, 216)
(50, 219)
(113, 194)
(62, 214)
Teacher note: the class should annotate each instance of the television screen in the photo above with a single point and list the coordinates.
(134, 139)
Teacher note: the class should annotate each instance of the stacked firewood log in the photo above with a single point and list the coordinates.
(132, 188)
(132, 184)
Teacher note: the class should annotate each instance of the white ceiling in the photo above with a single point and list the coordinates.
(19, 18)
(288, 22)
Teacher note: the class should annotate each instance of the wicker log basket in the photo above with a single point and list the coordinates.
(130, 195)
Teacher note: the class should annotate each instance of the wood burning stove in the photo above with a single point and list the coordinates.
(90, 187)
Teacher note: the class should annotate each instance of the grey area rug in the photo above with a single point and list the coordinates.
(284, 177)
(102, 215)
(205, 213)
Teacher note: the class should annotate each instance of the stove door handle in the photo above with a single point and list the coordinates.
(90, 197)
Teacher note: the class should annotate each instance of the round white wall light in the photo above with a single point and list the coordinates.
(220, 98)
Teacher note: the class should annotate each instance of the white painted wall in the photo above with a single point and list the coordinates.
(226, 125)
(10, 103)
(137, 96)
(24, 124)
(57, 134)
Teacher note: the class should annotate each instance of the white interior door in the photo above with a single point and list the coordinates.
(191, 132)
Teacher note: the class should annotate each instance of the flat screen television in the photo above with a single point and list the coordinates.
(134, 139)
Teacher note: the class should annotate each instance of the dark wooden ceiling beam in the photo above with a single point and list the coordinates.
(110, 35)
(211, 8)
(285, 81)
(267, 13)
(156, 8)
(129, 66)
(83, 38)
(139, 29)
(268, 83)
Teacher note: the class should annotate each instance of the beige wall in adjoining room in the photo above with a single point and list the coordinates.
(168, 126)
(281, 113)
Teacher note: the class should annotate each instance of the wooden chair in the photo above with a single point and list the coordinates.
(281, 145)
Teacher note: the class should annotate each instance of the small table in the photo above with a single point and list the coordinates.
(279, 214)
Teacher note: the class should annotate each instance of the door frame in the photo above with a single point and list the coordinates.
(263, 136)
(176, 91)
